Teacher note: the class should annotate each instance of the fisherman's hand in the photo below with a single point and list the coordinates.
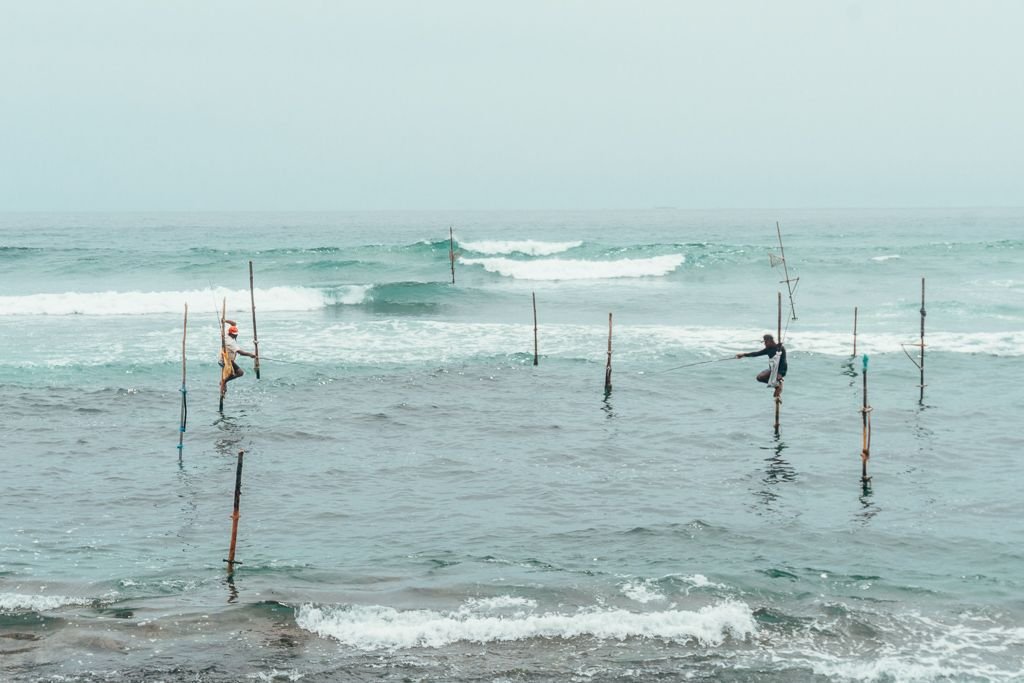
(740, 355)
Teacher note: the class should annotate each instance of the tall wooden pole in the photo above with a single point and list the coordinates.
(184, 397)
(854, 331)
(779, 336)
(235, 515)
(778, 386)
(226, 370)
(255, 338)
(923, 314)
(608, 365)
(535, 357)
(865, 411)
(451, 251)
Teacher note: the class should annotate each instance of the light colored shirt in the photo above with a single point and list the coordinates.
(231, 346)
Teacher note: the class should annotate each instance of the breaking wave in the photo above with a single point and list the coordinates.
(378, 627)
(572, 269)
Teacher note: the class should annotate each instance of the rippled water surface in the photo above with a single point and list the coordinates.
(421, 502)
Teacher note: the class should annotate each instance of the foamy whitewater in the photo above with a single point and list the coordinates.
(420, 501)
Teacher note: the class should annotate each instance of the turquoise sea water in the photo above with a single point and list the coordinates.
(421, 502)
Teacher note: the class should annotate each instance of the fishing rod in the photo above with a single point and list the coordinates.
(690, 365)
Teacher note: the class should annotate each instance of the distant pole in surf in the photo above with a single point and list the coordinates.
(535, 357)
(184, 395)
(785, 268)
(223, 354)
(919, 361)
(923, 314)
(854, 354)
(451, 251)
(235, 515)
(255, 339)
(608, 366)
(865, 411)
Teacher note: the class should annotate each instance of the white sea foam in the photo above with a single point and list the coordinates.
(16, 602)
(887, 257)
(353, 295)
(642, 591)
(276, 675)
(378, 627)
(501, 602)
(571, 269)
(403, 341)
(142, 303)
(529, 247)
(929, 651)
(701, 581)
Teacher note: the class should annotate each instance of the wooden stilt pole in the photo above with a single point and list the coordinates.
(608, 366)
(184, 396)
(451, 251)
(535, 357)
(778, 386)
(921, 365)
(854, 354)
(226, 370)
(235, 515)
(779, 336)
(865, 411)
(255, 338)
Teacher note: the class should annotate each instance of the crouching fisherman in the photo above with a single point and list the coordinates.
(228, 354)
(777, 366)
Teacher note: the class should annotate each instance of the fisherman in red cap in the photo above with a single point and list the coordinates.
(231, 349)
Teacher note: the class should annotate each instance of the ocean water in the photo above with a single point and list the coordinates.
(421, 502)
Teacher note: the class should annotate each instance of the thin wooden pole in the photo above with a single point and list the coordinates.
(235, 515)
(923, 314)
(535, 357)
(255, 338)
(779, 335)
(451, 251)
(778, 385)
(608, 365)
(854, 332)
(223, 354)
(785, 268)
(865, 411)
(184, 395)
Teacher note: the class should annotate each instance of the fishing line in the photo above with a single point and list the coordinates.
(293, 362)
(690, 365)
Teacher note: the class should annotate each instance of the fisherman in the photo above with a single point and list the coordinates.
(231, 349)
(771, 348)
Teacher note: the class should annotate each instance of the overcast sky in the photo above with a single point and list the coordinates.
(473, 104)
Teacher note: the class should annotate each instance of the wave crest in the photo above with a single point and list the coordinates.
(528, 247)
(573, 269)
(378, 627)
(142, 303)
